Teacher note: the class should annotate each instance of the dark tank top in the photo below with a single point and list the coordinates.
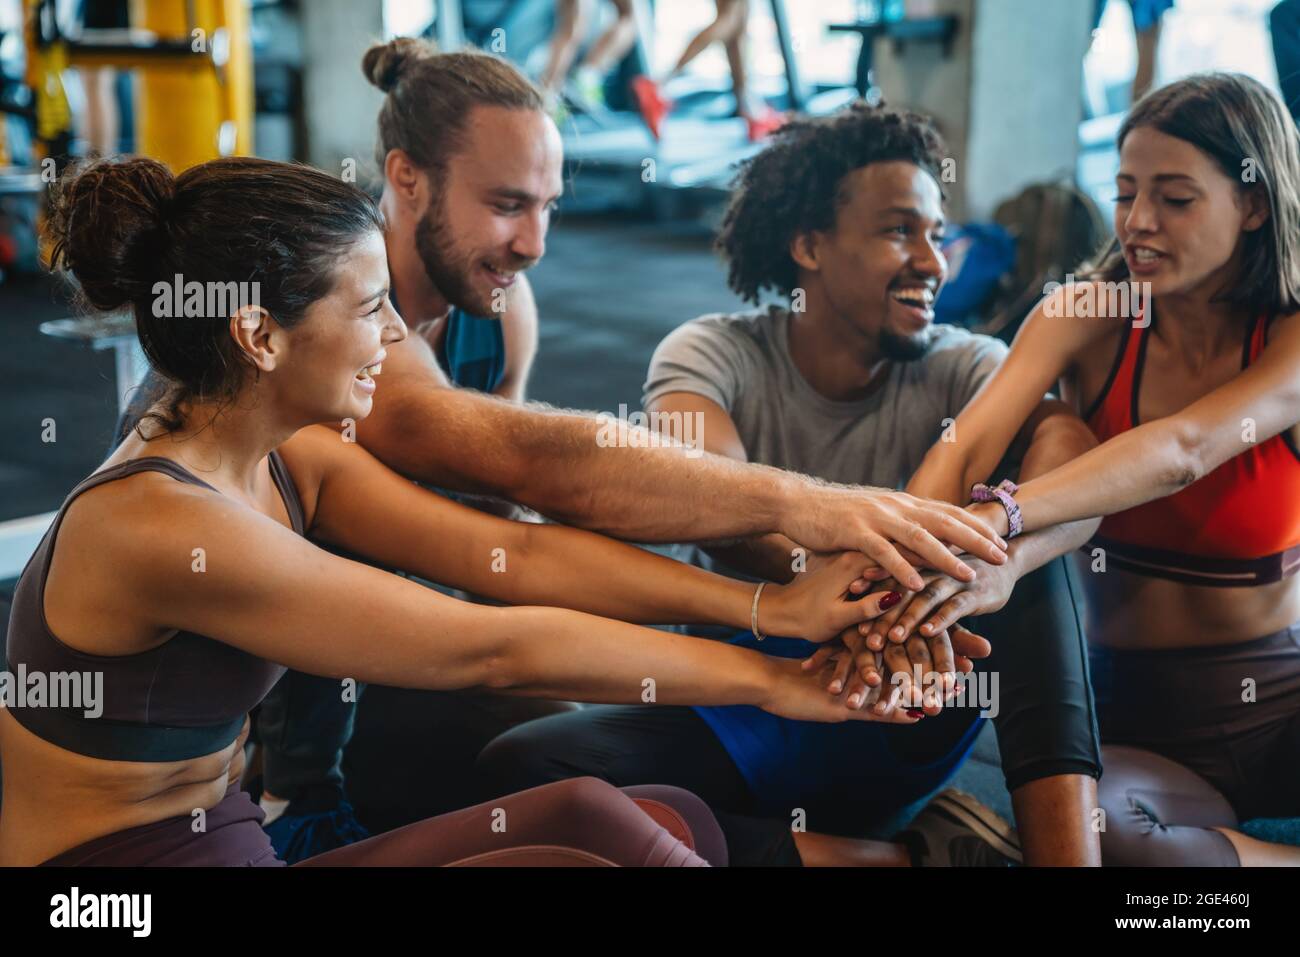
(186, 698)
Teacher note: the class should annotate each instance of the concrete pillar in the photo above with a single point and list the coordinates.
(339, 105)
(1008, 100)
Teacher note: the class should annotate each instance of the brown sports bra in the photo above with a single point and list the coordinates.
(186, 698)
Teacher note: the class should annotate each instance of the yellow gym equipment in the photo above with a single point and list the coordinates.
(193, 62)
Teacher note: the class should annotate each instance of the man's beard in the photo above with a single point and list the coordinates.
(447, 269)
(905, 348)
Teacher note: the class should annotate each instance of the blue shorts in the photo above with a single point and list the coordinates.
(841, 774)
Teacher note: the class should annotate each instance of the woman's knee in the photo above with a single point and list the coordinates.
(1156, 812)
(587, 800)
(680, 811)
(594, 816)
(733, 19)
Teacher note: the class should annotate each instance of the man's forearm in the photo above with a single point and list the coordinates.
(596, 473)
(646, 494)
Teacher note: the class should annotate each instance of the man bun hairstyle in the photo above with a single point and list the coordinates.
(383, 63)
(430, 96)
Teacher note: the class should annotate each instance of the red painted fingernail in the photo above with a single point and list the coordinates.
(914, 713)
(890, 600)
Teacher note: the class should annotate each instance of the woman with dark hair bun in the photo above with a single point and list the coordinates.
(178, 573)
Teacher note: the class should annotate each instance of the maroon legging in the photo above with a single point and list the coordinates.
(579, 822)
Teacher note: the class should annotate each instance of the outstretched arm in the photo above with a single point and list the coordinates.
(771, 556)
(1156, 459)
(273, 594)
(600, 474)
(367, 508)
(1054, 436)
(1043, 352)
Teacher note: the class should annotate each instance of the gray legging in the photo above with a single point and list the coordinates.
(1158, 813)
(580, 822)
(1195, 739)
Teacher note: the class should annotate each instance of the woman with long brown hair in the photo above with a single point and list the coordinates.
(1182, 351)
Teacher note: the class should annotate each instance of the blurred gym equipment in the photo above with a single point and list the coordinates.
(195, 52)
(901, 31)
(616, 163)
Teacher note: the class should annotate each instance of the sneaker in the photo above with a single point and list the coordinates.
(956, 830)
(650, 101)
(763, 125)
(296, 835)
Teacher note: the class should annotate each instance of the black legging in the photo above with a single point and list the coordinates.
(630, 745)
(1047, 722)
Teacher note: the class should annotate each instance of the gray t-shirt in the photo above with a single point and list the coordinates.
(742, 362)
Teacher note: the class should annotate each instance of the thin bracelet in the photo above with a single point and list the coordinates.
(753, 612)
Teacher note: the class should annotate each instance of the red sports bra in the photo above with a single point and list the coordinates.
(1238, 525)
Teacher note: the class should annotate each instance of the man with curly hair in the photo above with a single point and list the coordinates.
(850, 380)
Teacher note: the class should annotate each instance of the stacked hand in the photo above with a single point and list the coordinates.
(799, 692)
(896, 530)
(917, 677)
(940, 604)
(878, 662)
(817, 605)
(890, 653)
